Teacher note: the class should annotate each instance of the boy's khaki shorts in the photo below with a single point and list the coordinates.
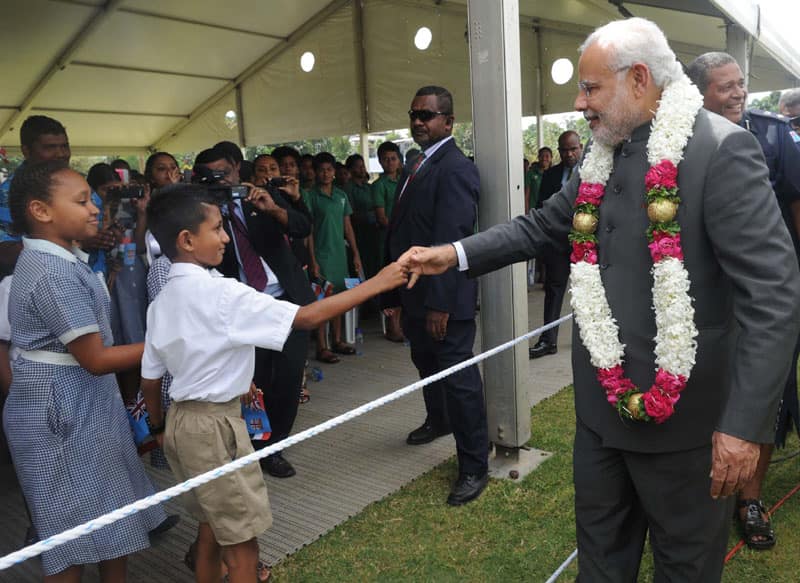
(201, 436)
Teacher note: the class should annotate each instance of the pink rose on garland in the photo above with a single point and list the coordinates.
(665, 245)
(584, 251)
(614, 382)
(662, 174)
(658, 405)
(591, 193)
(670, 383)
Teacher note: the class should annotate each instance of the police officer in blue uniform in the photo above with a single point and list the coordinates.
(722, 83)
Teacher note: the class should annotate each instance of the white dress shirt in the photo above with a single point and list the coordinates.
(202, 329)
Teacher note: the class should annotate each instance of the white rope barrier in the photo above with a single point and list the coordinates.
(563, 566)
(76, 532)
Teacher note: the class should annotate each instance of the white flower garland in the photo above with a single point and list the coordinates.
(676, 346)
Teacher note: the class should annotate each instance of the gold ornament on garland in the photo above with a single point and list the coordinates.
(584, 223)
(662, 211)
(635, 406)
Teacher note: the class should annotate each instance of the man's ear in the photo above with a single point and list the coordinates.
(642, 79)
(184, 241)
(40, 211)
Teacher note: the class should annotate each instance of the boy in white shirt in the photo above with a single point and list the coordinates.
(202, 328)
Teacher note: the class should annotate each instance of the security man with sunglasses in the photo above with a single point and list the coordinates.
(436, 201)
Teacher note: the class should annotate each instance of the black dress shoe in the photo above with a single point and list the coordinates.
(542, 348)
(425, 433)
(467, 488)
(277, 466)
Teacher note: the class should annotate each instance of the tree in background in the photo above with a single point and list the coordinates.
(768, 103)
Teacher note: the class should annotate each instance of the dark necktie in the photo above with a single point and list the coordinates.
(413, 172)
(251, 262)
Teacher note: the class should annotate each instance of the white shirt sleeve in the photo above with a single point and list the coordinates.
(152, 365)
(462, 256)
(5, 325)
(255, 318)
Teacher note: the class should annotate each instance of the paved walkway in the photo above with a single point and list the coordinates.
(339, 472)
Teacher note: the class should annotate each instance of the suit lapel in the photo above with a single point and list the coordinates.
(403, 204)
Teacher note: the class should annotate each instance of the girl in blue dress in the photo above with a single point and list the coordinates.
(64, 418)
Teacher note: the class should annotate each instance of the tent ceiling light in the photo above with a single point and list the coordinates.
(422, 40)
(307, 61)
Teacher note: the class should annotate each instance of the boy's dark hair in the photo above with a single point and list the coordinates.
(120, 164)
(246, 171)
(151, 161)
(282, 152)
(232, 150)
(386, 147)
(324, 158)
(101, 174)
(175, 208)
(351, 159)
(31, 182)
(39, 125)
(307, 157)
(262, 156)
(444, 100)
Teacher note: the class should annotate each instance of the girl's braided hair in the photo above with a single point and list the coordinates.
(31, 182)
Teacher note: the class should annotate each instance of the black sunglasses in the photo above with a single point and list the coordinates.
(795, 122)
(423, 115)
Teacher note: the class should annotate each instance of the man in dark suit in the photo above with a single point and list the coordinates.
(556, 263)
(436, 201)
(259, 255)
(633, 477)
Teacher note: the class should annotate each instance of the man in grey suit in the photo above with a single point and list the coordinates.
(633, 477)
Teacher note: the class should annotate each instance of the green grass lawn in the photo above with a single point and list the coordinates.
(516, 531)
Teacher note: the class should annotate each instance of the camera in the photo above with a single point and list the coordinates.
(225, 193)
(126, 191)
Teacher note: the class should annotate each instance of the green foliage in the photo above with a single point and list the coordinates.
(768, 103)
(551, 132)
(462, 135)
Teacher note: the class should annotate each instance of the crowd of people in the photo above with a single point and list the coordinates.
(198, 297)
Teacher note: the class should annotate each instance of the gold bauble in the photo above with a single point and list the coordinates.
(584, 223)
(662, 211)
(635, 406)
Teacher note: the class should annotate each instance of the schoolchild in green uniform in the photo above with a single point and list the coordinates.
(383, 197)
(330, 211)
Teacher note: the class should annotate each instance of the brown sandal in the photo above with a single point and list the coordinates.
(327, 356)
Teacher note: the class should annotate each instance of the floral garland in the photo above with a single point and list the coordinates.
(674, 314)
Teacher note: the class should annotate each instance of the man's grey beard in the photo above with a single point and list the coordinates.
(617, 123)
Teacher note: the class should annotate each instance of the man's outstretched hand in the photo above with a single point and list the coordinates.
(428, 261)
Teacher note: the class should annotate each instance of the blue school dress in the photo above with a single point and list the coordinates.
(67, 429)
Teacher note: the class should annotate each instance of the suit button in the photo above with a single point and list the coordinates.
(617, 188)
(625, 153)
(609, 228)
(604, 266)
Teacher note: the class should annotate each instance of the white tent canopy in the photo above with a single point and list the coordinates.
(137, 75)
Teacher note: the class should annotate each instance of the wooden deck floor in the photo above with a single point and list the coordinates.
(338, 472)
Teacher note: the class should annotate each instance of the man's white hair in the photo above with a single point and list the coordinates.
(637, 40)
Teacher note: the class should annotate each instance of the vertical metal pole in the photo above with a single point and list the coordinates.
(539, 89)
(361, 66)
(737, 45)
(240, 118)
(496, 114)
